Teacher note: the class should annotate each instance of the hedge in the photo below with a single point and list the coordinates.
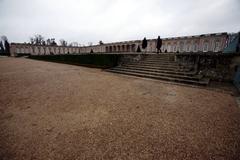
(91, 60)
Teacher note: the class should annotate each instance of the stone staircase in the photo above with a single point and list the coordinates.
(162, 67)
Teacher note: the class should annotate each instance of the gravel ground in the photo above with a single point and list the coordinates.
(59, 111)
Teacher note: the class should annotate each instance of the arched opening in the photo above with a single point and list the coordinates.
(114, 49)
(123, 48)
(205, 46)
(128, 48)
(66, 51)
(22, 50)
(188, 46)
(216, 45)
(175, 47)
(42, 51)
(52, 51)
(57, 51)
(181, 46)
(36, 50)
(195, 47)
(169, 47)
(17, 50)
(31, 50)
(26, 50)
(133, 48)
(46, 51)
(119, 48)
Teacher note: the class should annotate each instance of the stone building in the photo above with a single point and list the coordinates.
(201, 43)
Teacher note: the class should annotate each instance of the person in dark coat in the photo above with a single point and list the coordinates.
(159, 44)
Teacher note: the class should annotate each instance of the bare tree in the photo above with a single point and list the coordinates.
(63, 42)
(101, 42)
(74, 44)
(90, 43)
(32, 41)
(48, 42)
(51, 42)
(1, 47)
(37, 39)
(4, 38)
(5, 48)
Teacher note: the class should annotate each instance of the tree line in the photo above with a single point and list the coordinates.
(40, 40)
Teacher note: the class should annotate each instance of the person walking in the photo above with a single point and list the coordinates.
(159, 44)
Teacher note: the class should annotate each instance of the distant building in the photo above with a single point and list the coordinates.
(201, 43)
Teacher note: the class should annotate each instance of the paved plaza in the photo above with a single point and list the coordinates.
(59, 111)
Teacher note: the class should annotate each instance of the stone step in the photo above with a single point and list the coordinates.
(159, 70)
(159, 59)
(158, 67)
(161, 67)
(155, 60)
(162, 63)
(153, 63)
(158, 73)
(197, 82)
(159, 56)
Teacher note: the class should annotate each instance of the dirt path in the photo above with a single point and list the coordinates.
(58, 111)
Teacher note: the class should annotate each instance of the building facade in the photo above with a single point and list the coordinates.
(201, 43)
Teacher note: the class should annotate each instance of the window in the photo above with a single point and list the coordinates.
(175, 47)
(205, 47)
(17, 50)
(22, 50)
(162, 48)
(169, 48)
(181, 46)
(217, 46)
(188, 46)
(195, 47)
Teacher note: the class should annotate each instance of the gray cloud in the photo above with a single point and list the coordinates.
(115, 20)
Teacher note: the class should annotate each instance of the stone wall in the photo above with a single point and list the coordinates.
(126, 58)
(217, 67)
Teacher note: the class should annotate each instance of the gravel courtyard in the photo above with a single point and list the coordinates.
(59, 111)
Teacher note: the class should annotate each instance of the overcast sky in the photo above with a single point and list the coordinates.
(115, 20)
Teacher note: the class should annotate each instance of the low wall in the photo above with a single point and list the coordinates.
(90, 60)
(217, 67)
